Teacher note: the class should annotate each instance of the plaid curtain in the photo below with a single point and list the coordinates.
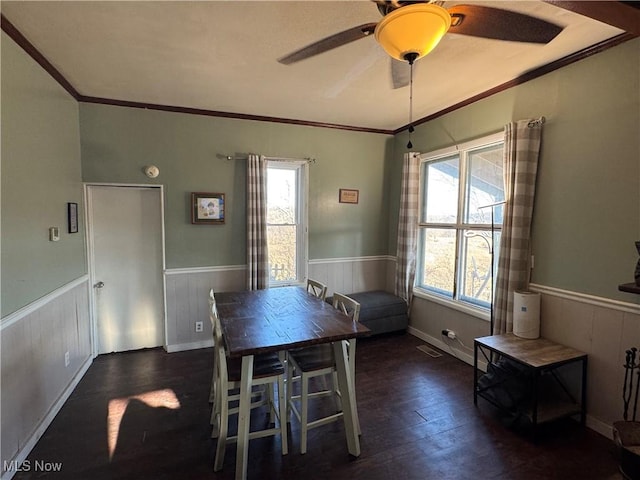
(408, 227)
(521, 151)
(257, 256)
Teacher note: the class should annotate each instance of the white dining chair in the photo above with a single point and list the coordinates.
(258, 394)
(267, 371)
(316, 288)
(319, 361)
(212, 389)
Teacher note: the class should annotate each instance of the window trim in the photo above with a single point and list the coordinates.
(302, 240)
(460, 150)
(480, 313)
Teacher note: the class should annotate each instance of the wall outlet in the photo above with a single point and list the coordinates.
(199, 327)
(66, 359)
(449, 333)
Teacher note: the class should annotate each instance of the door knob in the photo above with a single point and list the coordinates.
(99, 285)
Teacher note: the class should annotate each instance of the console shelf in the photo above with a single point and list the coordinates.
(534, 360)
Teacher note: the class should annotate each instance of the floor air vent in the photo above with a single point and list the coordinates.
(429, 351)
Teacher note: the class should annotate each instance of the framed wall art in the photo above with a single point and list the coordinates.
(207, 208)
(72, 217)
(348, 195)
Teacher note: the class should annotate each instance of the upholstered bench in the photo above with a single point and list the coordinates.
(380, 311)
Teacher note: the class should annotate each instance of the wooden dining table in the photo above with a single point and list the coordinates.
(279, 319)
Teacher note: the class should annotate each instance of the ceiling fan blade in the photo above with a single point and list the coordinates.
(329, 43)
(388, 6)
(489, 22)
(400, 73)
(358, 68)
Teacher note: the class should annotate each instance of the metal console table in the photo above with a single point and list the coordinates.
(533, 358)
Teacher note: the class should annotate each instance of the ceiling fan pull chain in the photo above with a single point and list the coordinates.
(410, 145)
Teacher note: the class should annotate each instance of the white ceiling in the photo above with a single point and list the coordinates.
(222, 56)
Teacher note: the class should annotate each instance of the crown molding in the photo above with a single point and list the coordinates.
(618, 19)
(27, 46)
(530, 75)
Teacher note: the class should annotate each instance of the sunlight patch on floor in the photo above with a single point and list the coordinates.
(165, 398)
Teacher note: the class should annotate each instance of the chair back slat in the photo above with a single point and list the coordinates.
(218, 345)
(316, 288)
(350, 308)
(213, 308)
(347, 305)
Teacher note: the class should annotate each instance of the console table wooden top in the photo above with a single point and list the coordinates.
(536, 353)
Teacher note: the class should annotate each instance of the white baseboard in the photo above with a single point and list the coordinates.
(599, 426)
(455, 352)
(181, 347)
(31, 442)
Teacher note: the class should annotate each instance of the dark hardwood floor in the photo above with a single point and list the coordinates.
(145, 414)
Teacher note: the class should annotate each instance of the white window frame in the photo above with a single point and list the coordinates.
(460, 150)
(302, 238)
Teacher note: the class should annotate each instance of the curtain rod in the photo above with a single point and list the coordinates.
(536, 122)
(274, 159)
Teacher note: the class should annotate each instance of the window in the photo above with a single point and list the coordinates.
(455, 233)
(286, 222)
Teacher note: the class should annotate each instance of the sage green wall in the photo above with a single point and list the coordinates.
(587, 210)
(40, 174)
(116, 143)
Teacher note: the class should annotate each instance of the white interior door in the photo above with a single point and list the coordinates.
(125, 232)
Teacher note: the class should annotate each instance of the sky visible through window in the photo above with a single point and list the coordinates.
(451, 247)
(282, 223)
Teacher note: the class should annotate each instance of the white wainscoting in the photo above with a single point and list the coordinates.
(600, 327)
(35, 380)
(187, 293)
(188, 288)
(604, 329)
(354, 274)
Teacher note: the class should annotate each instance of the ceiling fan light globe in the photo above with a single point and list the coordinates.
(415, 28)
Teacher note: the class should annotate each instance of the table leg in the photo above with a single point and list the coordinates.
(534, 408)
(349, 408)
(244, 414)
(475, 373)
(583, 406)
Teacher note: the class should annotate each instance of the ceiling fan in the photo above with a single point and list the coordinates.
(411, 29)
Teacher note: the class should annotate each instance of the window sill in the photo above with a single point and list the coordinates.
(287, 284)
(474, 312)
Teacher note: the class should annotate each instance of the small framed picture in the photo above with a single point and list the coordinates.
(348, 195)
(207, 208)
(72, 217)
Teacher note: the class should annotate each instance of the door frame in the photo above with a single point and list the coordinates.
(93, 318)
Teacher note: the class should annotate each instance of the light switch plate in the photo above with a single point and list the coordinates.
(54, 234)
